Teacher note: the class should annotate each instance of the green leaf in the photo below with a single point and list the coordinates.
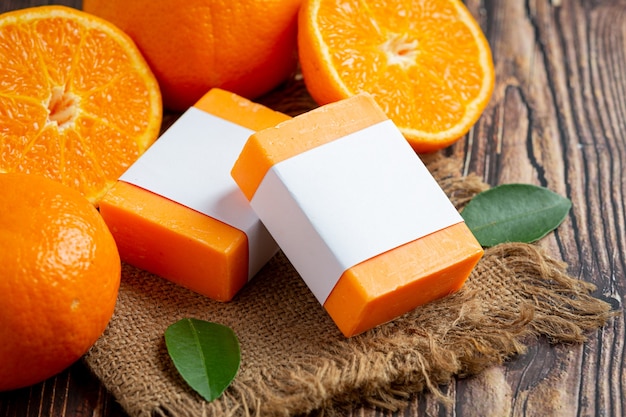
(207, 355)
(514, 213)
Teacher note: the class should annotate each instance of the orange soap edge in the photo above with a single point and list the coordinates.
(228, 106)
(316, 127)
(356, 304)
(175, 242)
(239, 110)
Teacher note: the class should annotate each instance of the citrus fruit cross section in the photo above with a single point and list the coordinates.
(78, 103)
(426, 62)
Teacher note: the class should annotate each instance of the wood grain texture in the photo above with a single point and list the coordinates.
(557, 119)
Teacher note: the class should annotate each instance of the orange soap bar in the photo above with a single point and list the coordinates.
(356, 212)
(177, 211)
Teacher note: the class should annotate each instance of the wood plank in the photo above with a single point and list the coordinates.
(555, 120)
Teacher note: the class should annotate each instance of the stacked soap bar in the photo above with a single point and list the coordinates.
(356, 212)
(178, 213)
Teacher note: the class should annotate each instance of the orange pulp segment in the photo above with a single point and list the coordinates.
(426, 62)
(78, 103)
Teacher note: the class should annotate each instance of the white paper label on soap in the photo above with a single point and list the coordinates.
(191, 163)
(344, 202)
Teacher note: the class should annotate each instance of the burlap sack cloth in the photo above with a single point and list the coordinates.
(294, 360)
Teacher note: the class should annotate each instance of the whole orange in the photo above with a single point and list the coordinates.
(244, 46)
(59, 278)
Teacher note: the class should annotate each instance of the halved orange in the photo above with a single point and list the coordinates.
(78, 102)
(426, 62)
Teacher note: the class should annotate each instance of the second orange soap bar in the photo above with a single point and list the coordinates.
(177, 212)
(356, 212)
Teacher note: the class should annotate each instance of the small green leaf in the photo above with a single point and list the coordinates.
(515, 213)
(207, 355)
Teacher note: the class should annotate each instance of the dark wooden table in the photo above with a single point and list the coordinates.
(557, 119)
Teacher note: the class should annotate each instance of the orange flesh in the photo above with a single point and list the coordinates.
(392, 283)
(78, 103)
(427, 64)
(178, 243)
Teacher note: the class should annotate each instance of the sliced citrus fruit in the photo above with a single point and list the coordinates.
(426, 62)
(78, 103)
